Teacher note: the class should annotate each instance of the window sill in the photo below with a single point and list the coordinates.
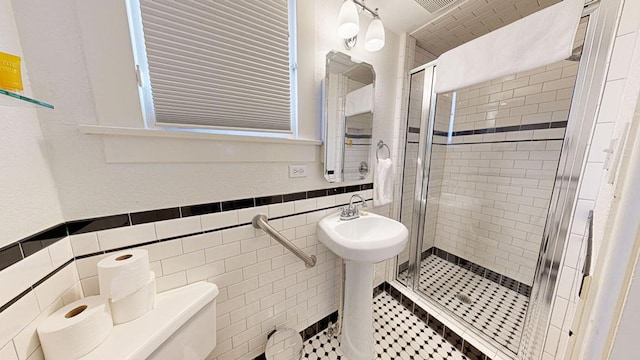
(137, 145)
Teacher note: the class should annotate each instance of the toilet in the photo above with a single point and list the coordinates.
(284, 344)
(182, 326)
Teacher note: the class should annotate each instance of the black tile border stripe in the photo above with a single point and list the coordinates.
(358, 136)
(500, 129)
(96, 224)
(196, 210)
(204, 232)
(144, 217)
(497, 142)
(10, 255)
(110, 222)
(238, 204)
(13, 251)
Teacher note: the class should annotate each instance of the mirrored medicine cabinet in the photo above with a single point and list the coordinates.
(348, 118)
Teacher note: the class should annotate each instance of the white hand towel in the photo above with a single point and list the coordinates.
(383, 182)
(542, 38)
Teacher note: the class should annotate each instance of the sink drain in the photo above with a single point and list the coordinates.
(464, 298)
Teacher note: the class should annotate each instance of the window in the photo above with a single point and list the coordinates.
(216, 64)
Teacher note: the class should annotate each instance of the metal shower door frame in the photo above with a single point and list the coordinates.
(423, 164)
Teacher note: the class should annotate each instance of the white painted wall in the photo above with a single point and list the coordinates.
(90, 186)
(626, 339)
(83, 65)
(28, 198)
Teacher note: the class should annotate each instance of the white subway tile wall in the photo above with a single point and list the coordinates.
(494, 202)
(126, 236)
(261, 284)
(537, 96)
(18, 337)
(16, 278)
(83, 244)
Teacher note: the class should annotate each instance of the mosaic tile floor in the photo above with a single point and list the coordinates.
(494, 310)
(398, 334)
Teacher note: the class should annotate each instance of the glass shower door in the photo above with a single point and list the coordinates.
(480, 175)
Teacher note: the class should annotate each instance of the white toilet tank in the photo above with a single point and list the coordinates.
(182, 326)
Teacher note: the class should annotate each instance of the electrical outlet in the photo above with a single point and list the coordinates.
(296, 171)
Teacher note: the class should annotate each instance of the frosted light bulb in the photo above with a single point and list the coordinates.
(348, 20)
(374, 40)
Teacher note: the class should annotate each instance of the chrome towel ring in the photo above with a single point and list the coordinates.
(382, 145)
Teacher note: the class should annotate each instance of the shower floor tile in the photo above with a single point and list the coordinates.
(494, 310)
(398, 334)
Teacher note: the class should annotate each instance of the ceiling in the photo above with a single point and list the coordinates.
(455, 24)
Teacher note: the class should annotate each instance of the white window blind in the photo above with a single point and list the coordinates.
(219, 63)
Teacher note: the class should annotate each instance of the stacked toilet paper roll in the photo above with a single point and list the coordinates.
(125, 279)
(75, 329)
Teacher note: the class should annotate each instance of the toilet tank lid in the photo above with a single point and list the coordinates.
(137, 339)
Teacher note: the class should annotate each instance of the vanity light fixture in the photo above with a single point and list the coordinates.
(349, 26)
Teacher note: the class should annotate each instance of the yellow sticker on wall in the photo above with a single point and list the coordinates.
(10, 75)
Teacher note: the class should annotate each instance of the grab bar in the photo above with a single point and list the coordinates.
(261, 221)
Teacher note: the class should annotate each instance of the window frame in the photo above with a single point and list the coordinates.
(144, 82)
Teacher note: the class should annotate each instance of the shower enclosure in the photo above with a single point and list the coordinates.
(480, 188)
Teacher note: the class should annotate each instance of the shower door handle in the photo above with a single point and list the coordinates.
(586, 268)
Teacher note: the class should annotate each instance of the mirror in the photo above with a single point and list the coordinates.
(348, 118)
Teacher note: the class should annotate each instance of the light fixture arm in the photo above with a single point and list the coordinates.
(373, 13)
(349, 26)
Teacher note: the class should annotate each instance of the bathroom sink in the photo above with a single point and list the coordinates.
(369, 238)
(361, 242)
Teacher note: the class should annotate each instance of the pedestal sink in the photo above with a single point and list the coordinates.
(360, 242)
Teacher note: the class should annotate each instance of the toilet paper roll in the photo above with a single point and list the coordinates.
(76, 329)
(135, 304)
(123, 273)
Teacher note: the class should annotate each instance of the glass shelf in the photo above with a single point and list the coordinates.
(8, 98)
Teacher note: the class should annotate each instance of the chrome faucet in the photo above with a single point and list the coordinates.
(351, 212)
